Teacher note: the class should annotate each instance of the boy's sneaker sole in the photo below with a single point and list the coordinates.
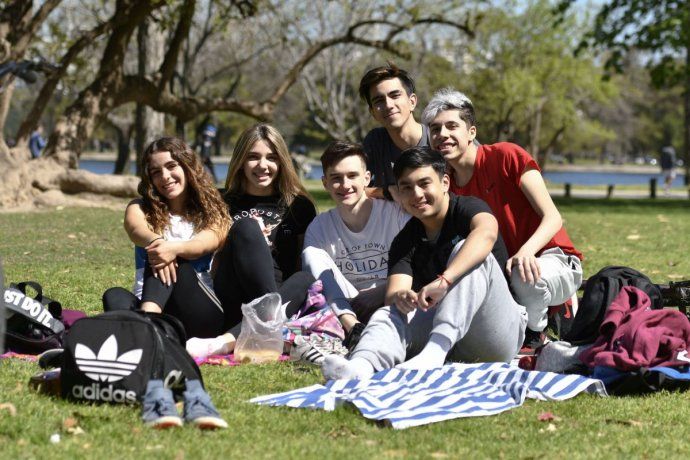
(209, 423)
(165, 422)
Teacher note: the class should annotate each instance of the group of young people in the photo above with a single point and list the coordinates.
(439, 247)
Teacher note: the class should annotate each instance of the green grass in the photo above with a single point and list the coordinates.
(78, 253)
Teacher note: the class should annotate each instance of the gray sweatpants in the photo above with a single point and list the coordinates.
(336, 288)
(478, 315)
(561, 276)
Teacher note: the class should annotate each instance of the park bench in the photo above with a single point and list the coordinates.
(610, 187)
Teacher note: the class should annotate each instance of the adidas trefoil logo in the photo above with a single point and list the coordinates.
(107, 366)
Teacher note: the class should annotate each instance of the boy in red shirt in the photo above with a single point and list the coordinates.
(544, 267)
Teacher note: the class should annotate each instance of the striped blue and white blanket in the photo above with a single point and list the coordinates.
(406, 398)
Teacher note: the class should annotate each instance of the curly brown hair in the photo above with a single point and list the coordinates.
(204, 208)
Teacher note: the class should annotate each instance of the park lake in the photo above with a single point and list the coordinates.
(579, 176)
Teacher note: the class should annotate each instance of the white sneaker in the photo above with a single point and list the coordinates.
(314, 349)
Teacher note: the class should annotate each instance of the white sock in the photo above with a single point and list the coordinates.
(202, 348)
(336, 367)
(433, 355)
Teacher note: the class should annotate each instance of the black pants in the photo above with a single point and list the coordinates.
(245, 272)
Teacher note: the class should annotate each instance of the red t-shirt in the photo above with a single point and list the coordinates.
(498, 169)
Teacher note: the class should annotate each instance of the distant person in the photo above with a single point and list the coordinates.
(37, 142)
(206, 146)
(298, 154)
(543, 266)
(389, 93)
(668, 166)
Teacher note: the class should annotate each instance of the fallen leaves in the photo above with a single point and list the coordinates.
(71, 426)
(548, 417)
(9, 407)
(342, 431)
(69, 422)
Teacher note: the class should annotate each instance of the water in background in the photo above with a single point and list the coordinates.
(573, 177)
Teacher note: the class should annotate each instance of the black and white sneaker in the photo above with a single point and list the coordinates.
(314, 349)
(51, 359)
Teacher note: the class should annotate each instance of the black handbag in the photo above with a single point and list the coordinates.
(33, 324)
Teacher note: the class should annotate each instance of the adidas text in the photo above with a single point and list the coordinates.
(94, 392)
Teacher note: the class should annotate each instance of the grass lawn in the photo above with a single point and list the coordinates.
(77, 253)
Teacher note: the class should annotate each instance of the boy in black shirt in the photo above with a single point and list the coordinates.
(389, 93)
(448, 295)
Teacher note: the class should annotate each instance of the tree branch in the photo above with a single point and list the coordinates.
(31, 120)
(136, 89)
(167, 68)
(350, 37)
(186, 108)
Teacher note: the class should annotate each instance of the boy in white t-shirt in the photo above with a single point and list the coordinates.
(347, 247)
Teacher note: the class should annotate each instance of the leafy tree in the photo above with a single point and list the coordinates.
(660, 28)
(528, 87)
(115, 82)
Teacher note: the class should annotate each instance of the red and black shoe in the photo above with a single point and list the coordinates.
(533, 342)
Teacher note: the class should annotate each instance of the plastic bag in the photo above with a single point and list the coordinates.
(261, 339)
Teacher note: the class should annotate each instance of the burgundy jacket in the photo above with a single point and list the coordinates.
(633, 335)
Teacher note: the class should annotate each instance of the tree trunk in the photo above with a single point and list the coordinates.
(6, 91)
(535, 133)
(149, 124)
(180, 128)
(122, 160)
(32, 119)
(19, 24)
(75, 127)
(47, 179)
(686, 113)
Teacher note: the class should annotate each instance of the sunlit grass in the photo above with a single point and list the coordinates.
(78, 253)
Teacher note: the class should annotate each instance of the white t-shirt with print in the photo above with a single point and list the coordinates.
(178, 230)
(362, 257)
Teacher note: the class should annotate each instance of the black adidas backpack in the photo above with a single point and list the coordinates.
(600, 290)
(112, 356)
